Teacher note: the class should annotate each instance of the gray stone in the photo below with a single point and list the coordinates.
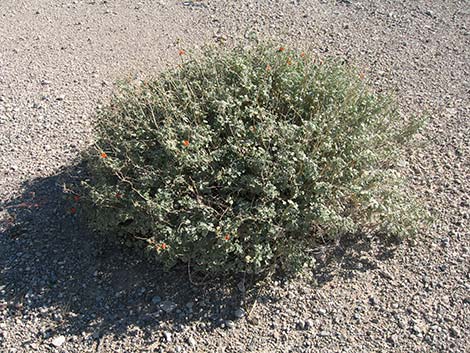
(386, 275)
(454, 331)
(239, 313)
(156, 300)
(300, 325)
(167, 306)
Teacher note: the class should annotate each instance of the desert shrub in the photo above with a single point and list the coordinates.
(246, 159)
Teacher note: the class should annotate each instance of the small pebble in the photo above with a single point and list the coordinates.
(58, 341)
(308, 325)
(454, 331)
(239, 313)
(167, 336)
(167, 306)
(192, 341)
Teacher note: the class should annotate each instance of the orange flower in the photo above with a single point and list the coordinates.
(362, 75)
(227, 237)
(302, 55)
(104, 155)
(185, 143)
(163, 246)
(73, 210)
(181, 52)
(76, 198)
(289, 61)
(268, 67)
(281, 49)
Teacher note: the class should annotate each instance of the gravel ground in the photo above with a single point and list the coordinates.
(63, 289)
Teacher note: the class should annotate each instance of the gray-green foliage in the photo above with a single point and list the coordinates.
(243, 159)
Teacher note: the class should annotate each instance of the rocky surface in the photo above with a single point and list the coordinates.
(63, 289)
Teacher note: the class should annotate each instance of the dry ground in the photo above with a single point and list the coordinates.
(62, 289)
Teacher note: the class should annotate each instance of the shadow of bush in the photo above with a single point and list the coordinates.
(351, 254)
(53, 265)
(51, 262)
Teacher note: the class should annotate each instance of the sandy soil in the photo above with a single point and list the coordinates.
(63, 289)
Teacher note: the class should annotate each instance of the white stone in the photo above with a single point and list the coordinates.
(58, 341)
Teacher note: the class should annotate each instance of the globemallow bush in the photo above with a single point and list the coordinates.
(244, 160)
